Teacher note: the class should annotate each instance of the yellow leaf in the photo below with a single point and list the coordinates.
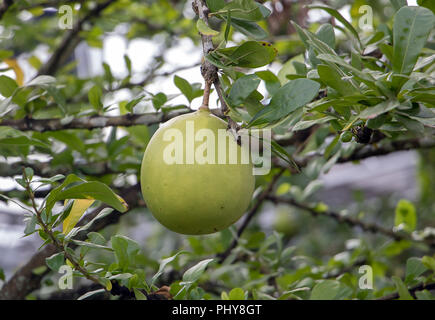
(123, 202)
(109, 286)
(69, 263)
(19, 75)
(78, 209)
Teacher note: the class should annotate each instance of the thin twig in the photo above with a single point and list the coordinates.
(353, 222)
(251, 213)
(4, 6)
(208, 70)
(71, 40)
(412, 291)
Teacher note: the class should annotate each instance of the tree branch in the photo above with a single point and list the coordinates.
(71, 40)
(251, 213)
(4, 6)
(24, 281)
(92, 122)
(208, 70)
(45, 169)
(412, 291)
(353, 222)
(367, 151)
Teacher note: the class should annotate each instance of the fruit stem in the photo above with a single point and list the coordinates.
(206, 96)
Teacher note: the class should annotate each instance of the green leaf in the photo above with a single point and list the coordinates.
(333, 79)
(289, 68)
(30, 225)
(411, 29)
(411, 124)
(362, 76)
(7, 86)
(42, 81)
(94, 190)
(184, 87)
(397, 4)
(94, 96)
(406, 216)
(301, 125)
(215, 5)
(127, 63)
(163, 264)
(372, 112)
(90, 294)
(193, 273)
(29, 173)
(242, 88)
(91, 245)
(4, 54)
(293, 95)
(325, 290)
(427, 4)
(402, 289)
(159, 100)
(101, 214)
(250, 29)
(204, 29)
(429, 262)
(253, 54)
(139, 295)
(236, 294)
(326, 34)
(85, 190)
(247, 10)
(250, 54)
(414, 268)
(271, 80)
(125, 250)
(24, 141)
(55, 261)
(337, 15)
(424, 295)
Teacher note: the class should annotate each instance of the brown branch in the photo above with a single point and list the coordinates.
(92, 122)
(346, 269)
(389, 147)
(71, 40)
(368, 151)
(45, 169)
(4, 6)
(49, 4)
(24, 281)
(208, 70)
(251, 213)
(412, 291)
(353, 222)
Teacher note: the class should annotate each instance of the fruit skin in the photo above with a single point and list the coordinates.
(195, 198)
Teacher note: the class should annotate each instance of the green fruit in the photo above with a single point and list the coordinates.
(285, 221)
(346, 136)
(195, 198)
